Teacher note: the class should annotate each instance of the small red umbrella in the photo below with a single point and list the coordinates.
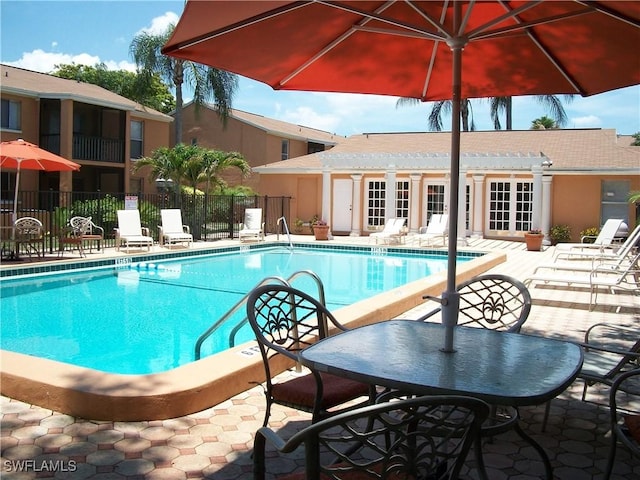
(414, 48)
(23, 155)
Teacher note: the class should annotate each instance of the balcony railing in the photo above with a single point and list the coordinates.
(88, 148)
(98, 148)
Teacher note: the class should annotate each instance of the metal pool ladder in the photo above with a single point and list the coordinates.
(286, 229)
(232, 336)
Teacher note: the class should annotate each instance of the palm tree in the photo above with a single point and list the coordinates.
(207, 83)
(215, 161)
(497, 104)
(505, 104)
(544, 123)
(192, 165)
(444, 107)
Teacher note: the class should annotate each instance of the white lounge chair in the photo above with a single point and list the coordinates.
(615, 252)
(602, 241)
(623, 278)
(130, 231)
(253, 226)
(172, 230)
(436, 230)
(392, 229)
(585, 262)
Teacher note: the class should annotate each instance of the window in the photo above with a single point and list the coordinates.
(402, 199)
(614, 200)
(435, 199)
(285, 149)
(137, 130)
(524, 206)
(376, 193)
(510, 206)
(11, 115)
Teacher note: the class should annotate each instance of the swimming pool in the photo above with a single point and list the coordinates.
(145, 317)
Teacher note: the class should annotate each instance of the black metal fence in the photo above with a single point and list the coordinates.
(210, 217)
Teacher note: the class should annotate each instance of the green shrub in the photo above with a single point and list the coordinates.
(591, 232)
(560, 234)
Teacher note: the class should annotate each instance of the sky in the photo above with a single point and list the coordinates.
(37, 35)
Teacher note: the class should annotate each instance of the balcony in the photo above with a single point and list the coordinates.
(87, 147)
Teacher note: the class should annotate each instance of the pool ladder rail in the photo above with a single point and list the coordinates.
(286, 229)
(273, 279)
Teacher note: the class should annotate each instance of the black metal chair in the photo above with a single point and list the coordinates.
(493, 301)
(502, 303)
(421, 437)
(286, 321)
(624, 407)
(608, 351)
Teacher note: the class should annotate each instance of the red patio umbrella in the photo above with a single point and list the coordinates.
(415, 49)
(23, 155)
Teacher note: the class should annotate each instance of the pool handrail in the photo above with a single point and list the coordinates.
(321, 299)
(243, 300)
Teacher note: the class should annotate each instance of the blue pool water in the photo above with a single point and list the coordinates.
(146, 318)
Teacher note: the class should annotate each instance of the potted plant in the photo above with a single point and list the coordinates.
(321, 230)
(533, 239)
(298, 225)
(560, 234)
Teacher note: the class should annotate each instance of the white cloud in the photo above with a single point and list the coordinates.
(308, 117)
(159, 24)
(45, 62)
(588, 121)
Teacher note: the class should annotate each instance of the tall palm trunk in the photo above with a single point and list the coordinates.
(178, 80)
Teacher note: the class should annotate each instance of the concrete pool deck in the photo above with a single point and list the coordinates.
(216, 442)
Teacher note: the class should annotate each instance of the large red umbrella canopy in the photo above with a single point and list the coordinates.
(23, 155)
(403, 48)
(416, 49)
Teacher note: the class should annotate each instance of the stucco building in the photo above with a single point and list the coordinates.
(510, 181)
(102, 131)
(261, 140)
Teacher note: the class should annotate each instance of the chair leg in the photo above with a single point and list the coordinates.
(547, 408)
(482, 471)
(267, 412)
(612, 456)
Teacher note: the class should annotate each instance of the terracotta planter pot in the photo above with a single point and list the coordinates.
(533, 241)
(321, 232)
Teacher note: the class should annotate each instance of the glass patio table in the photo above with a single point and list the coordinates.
(501, 368)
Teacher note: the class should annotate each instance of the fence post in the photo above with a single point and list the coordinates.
(51, 210)
(232, 209)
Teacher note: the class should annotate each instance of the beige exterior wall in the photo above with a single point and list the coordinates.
(29, 132)
(206, 129)
(156, 134)
(575, 200)
(258, 146)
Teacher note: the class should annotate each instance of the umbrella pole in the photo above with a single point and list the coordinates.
(15, 196)
(451, 297)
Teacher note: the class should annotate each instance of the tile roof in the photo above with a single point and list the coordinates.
(285, 129)
(570, 150)
(19, 81)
